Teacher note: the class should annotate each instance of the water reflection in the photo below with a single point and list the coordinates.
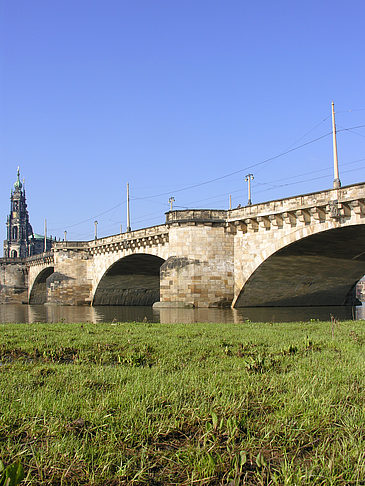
(56, 313)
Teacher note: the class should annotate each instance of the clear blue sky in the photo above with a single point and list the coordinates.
(167, 94)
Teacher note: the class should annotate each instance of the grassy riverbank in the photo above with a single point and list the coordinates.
(160, 404)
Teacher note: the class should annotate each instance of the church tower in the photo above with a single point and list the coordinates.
(19, 230)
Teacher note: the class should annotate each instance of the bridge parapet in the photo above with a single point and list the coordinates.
(327, 206)
(306, 201)
(133, 240)
(198, 216)
(40, 259)
(71, 245)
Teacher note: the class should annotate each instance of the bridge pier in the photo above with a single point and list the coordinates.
(13, 281)
(70, 283)
(199, 271)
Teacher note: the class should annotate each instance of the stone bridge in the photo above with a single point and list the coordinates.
(298, 251)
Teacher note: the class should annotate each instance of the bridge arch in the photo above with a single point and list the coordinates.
(131, 280)
(38, 291)
(318, 264)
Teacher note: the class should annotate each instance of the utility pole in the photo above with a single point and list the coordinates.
(45, 233)
(249, 178)
(96, 229)
(336, 180)
(230, 201)
(128, 213)
(121, 229)
(171, 201)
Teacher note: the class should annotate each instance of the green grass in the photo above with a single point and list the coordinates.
(190, 404)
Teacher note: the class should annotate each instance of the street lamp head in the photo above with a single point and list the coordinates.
(171, 201)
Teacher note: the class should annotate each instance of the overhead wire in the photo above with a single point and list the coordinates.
(309, 180)
(193, 186)
(272, 183)
(273, 186)
(309, 131)
(270, 159)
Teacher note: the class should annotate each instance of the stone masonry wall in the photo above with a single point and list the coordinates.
(13, 282)
(69, 284)
(199, 270)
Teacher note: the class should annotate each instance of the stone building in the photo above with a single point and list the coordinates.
(21, 241)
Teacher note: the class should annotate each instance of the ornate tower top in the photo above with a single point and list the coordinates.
(18, 185)
(19, 231)
(20, 241)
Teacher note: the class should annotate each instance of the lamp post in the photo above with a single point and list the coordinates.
(45, 232)
(128, 211)
(336, 180)
(65, 235)
(249, 178)
(171, 201)
(96, 229)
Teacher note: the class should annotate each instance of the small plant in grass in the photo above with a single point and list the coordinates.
(356, 338)
(310, 345)
(261, 364)
(292, 349)
(11, 475)
(138, 358)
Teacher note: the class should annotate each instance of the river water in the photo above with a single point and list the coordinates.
(59, 313)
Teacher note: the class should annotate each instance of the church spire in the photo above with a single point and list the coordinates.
(19, 231)
(18, 185)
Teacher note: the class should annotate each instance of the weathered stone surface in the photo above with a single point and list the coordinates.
(13, 281)
(200, 268)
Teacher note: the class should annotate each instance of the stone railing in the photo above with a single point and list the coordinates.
(321, 212)
(41, 258)
(316, 199)
(155, 235)
(197, 216)
(71, 245)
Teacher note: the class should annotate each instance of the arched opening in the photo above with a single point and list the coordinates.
(38, 294)
(15, 233)
(14, 254)
(133, 280)
(321, 269)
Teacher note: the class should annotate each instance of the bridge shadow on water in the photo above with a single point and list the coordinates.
(72, 314)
